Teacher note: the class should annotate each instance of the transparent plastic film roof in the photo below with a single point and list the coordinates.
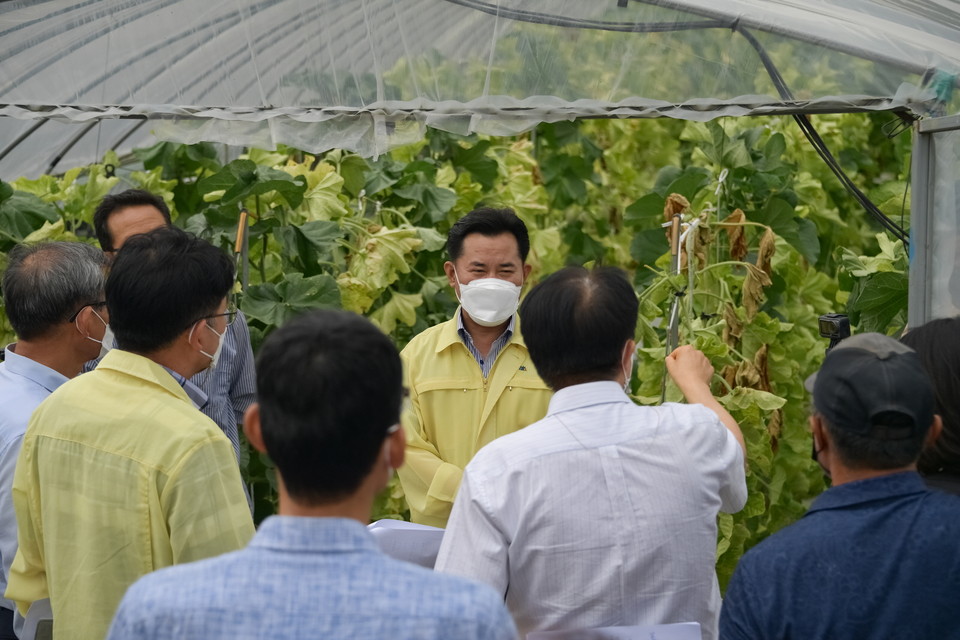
(80, 77)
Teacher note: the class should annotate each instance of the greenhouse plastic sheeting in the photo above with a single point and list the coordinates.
(367, 75)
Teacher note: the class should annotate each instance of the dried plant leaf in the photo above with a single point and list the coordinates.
(761, 363)
(732, 328)
(747, 375)
(753, 285)
(729, 374)
(774, 428)
(768, 246)
(736, 235)
(701, 242)
(675, 204)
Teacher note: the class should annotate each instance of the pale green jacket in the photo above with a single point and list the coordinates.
(453, 412)
(119, 475)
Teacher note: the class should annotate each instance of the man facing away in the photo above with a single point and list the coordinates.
(329, 396)
(119, 473)
(226, 390)
(470, 379)
(603, 513)
(53, 296)
(877, 554)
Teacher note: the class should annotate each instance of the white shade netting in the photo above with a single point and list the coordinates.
(80, 77)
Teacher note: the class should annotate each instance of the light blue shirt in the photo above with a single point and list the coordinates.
(231, 387)
(309, 578)
(24, 384)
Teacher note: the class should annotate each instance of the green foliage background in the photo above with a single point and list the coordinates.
(368, 235)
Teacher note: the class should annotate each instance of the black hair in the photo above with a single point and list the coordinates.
(488, 222)
(48, 283)
(329, 385)
(938, 345)
(117, 201)
(576, 322)
(162, 282)
(860, 451)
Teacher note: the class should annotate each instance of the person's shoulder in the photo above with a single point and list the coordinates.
(689, 414)
(446, 595)
(942, 504)
(514, 449)
(177, 587)
(426, 338)
(792, 542)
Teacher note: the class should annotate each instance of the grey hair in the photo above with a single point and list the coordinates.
(47, 283)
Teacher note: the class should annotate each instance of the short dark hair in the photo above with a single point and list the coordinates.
(329, 385)
(576, 322)
(162, 282)
(488, 222)
(45, 284)
(938, 345)
(862, 451)
(117, 201)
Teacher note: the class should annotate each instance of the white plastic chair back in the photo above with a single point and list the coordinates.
(39, 622)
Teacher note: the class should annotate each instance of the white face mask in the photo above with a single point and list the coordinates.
(215, 356)
(107, 343)
(489, 301)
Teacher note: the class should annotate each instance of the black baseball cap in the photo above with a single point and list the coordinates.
(869, 377)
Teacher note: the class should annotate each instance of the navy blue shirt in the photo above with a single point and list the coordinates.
(877, 558)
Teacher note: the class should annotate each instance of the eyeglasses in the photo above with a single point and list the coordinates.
(230, 314)
(89, 304)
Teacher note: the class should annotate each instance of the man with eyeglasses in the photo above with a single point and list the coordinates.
(53, 295)
(119, 474)
(225, 391)
(327, 413)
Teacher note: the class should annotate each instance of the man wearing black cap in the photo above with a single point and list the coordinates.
(877, 555)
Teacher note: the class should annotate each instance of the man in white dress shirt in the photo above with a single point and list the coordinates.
(604, 513)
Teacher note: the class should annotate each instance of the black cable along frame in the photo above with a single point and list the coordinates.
(710, 23)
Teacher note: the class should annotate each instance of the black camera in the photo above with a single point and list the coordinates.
(835, 327)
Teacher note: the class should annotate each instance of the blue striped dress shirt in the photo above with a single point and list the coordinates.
(486, 363)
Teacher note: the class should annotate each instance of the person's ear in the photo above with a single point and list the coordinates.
(934, 433)
(450, 270)
(194, 335)
(626, 358)
(396, 451)
(87, 324)
(815, 430)
(82, 322)
(527, 268)
(251, 427)
(821, 439)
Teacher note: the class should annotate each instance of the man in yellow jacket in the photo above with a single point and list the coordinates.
(470, 379)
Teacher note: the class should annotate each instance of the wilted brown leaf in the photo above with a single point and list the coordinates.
(774, 427)
(729, 374)
(753, 285)
(736, 235)
(675, 204)
(760, 362)
(732, 327)
(747, 375)
(701, 242)
(768, 246)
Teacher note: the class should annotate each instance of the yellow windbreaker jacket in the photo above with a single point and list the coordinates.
(453, 412)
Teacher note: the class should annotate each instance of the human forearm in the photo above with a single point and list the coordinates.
(691, 371)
